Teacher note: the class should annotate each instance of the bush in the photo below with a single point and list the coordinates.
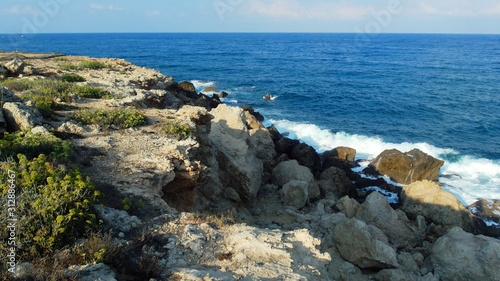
(175, 129)
(67, 66)
(61, 59)
(90, 92)
(72, 78)
(122, 118)
(92, 65)
(53, 205)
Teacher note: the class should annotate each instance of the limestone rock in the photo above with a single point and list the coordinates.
(91, 272)
(426, 198)
(336, 181)
(15, 66)
(6, 95)
(339, 157)
(307, 156)
(487, 209)
(377, 211)
(408, 167)
(461, 256)
(395, 275)
(294, 194)
(187, 86)
(291, 170)
(348, 206)
(119, 220)
(209, 90)
(21, 117)
(364, 246)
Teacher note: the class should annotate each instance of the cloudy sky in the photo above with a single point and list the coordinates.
(388, 16)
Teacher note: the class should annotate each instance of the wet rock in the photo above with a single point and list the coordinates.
(487, 209)
(209, 90)
(223, 94)
(409, 167)
(187, 86)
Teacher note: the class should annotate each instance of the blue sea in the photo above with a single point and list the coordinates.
(438, 93)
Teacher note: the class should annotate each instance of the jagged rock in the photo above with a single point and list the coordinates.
(261, 145)
(395, 225)
(21, 117)
(199, 115)
(461, 256)
(40, 130)
(207, 102)
(307, 156)
(209, 90)
(188, 86)
(364, 245)
(294, 194)
(30, 70)
(239, 168)
(348, 206)
(6, 95)
(223, 94)
(275, 134)
(143, 99)
(409, 167)
(487, 209)
(118, 220)
(3, 72)
(426, 198)
(91, 272)
(336, 181)
(254, 113)
(267, 97)
(340, 157)
(232, 195)
(15, 66)
(291, 170)
(285, 145)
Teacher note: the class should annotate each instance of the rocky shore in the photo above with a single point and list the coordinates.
(230, 199)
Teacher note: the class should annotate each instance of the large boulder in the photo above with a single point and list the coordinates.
(377, 211)
(364, 245)
(408, 167)
(340, 157)
(15, 66)
(487, 209)
(21, 117)
(427, 199)
(291, 170)
(335, 180)
(461, 256)
(238, 167)
(187, 86)
(6, 95)
(307, 156)
(295, 194)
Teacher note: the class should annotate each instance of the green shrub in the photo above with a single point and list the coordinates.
(130, 203)
(72, 78)
(61, 59)
(67, 66)
(175, 129)
(92, 65)
(90, 92)
(32, 145)
(122, 118)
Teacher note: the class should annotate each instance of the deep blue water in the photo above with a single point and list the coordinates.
(440, 93)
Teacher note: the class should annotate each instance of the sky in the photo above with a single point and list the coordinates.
(366, 16)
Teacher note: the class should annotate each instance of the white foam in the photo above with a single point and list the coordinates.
(390, 196)
(272, 97)
(475, 178)
(200, 85)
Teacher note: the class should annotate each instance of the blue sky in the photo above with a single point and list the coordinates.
(387, 16)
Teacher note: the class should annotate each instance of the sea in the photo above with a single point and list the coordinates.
(439, 93)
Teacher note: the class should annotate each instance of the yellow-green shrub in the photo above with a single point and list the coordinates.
(175, 129)
(122, 118)
(32, 145)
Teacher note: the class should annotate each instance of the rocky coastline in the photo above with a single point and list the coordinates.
(229, 199)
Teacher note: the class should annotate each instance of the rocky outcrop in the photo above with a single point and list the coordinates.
(209, 90)
(409, 167)
(21, 117)
(6, 95)
(307, 156)
(364, 245)
(289, 171)
(295, 194)
(335, 180)
(487, 209)
(427, 199)
(91, 272)
(340, 157)
(460, 256)
(15, 66)
(188, 86)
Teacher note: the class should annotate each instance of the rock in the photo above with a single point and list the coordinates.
(340, 157)
(363, 245)
(232, 195)
(348, 206)
(187, 86)
(461, 256)
(209, 90)
(199, 115)
(285, 145)
(21, 117)
(275, 134)
(261, 145)
(6, 95)
(3, 123)
(15, 66)
(207, 102)
(377, 211)
(118, 220)
(91, 272)
(24, 271)
(238, 167)
(427, 199)
(395, 275)
(291, 170)
(30, 70)
(487, 209)
(294, 194)
(336, 181)
(267, 97)
(39, 130)
(223, 94)
(307, 156)
(409, 167)
(254, 113)
(3, 72)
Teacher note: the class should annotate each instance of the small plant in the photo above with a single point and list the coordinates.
(67, 66)
(32, 145)
(91, 92)
(61, 59)
(72, 78)
(122, 118)
(92, 65)
(175, 129)
(97, 248)
(130, 203)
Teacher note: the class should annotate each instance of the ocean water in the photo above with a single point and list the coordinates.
(438, 93)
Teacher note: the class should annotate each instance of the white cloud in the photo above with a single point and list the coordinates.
(16, 10)
(293, 9)
(102, 7)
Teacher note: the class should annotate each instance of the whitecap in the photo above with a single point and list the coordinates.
(200, 85)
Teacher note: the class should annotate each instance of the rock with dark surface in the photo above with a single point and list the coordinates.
(405, 168)
(209, 90)
(267, 97)
(364, 245)
(21, 117)
(187, 86)
(336, 181)
(252, 111)
(487, 209)
(15, 66)
(461, 256)
(291, 170)
(340, 157)
(6, 95)
(285, 145)
(223, 94)
(275, 134)
(427, 199)
(207, 102)
(307, 156)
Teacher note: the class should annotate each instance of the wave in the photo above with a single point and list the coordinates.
(272, 97)
(200, 85)
(467, 177)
